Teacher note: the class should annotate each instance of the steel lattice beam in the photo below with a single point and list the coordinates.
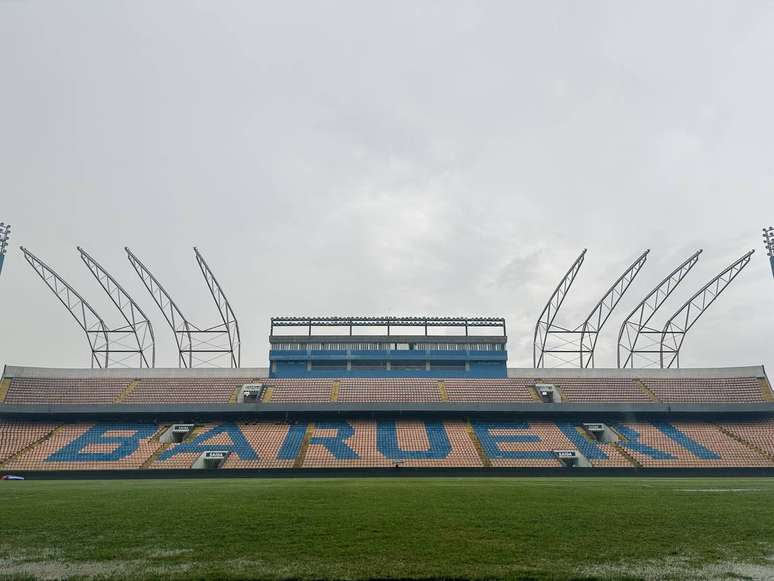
(180, 326)
(576, 346)
(394, 321)
(637, 322)
(389, 322)
(196, 346)
(87, 318)
(224, 308)
(137, 323)
(604, 308)
(547, 316)
(678, 325)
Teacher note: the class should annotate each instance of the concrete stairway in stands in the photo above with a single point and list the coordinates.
(442, 393)
(127, 391)
(5, 384)
(335, 387)
(32, 445)
(485, 461)
(646, 390)
(299, 461)
(744, 442)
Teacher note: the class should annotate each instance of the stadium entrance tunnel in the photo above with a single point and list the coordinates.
(176, 433)
(572, 459)
(211, 460)
(600, 432)
(548, 393)
(251, 393)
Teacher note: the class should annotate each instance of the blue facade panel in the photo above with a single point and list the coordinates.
(403, 363)
(413, 355)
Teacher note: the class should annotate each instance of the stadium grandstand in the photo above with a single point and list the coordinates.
(387, 291)
(375, 394)
(172, 421)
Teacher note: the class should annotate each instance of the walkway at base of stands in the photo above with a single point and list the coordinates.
(397, 472)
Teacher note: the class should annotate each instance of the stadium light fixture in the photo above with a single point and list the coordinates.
(5, 234)
(768, 241)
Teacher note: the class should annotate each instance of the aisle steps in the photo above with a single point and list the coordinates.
(127, 391)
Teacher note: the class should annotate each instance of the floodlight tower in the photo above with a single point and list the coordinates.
(768, 241)
(5, 234)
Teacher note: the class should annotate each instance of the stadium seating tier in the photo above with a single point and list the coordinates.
(690, 390)
(152, 391)
(384, 443)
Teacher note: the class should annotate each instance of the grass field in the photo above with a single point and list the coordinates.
(477, 528)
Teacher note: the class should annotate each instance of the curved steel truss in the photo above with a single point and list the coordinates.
(547, 316)
(575, 346)
(230, 323)
(120, 347)
(137, 323)
(216, 346)
(636, 324)
(678, 325)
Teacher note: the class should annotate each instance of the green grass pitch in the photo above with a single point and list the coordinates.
(380, 528)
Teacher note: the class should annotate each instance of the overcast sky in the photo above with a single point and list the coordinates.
(413, 158)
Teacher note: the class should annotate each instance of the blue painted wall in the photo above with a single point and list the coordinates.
(481, 364)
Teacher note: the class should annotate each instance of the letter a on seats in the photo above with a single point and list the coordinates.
(388, 445)
(239, 444)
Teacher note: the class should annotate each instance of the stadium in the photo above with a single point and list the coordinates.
(368, 291)
(367, 400)
(712, 421)
(365, 395)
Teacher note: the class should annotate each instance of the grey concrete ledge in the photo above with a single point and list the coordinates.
(612, 373)
(269, 410)
(129, 374)
(263, 373)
